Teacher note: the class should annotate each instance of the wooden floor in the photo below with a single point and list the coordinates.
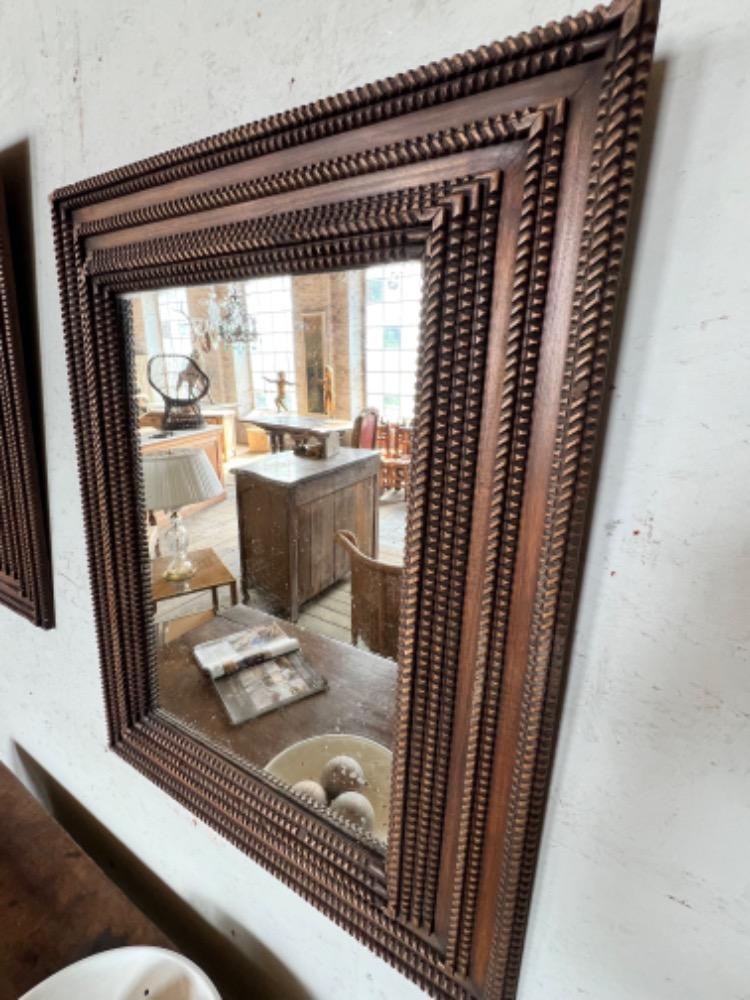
(330, 613)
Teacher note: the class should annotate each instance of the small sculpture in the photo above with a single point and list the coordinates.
(281, 382)
(193, 377)
(328, 400)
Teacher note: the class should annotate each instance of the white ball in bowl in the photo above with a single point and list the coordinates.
(355, 809)
(342, 774)
(311, 790)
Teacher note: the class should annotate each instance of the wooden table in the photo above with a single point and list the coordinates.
(361, 697)
(56, 906)
(289, 509)
(277, 425)
(210, 574)
(214, 414)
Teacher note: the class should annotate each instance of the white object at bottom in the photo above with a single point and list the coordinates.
(137, 973)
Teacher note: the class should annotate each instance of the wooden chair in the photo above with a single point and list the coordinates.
(365, 431)
(376, 599)
(394, 444)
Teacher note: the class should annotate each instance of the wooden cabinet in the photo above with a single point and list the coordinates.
(289, 509)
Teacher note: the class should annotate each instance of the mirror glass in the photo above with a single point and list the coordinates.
(275, 417)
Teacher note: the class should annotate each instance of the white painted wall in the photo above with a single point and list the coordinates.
(644, 887)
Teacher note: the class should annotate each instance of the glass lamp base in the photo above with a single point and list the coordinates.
(181, 566)
(179, 570)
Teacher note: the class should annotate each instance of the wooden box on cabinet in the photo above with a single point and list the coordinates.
(288, 512)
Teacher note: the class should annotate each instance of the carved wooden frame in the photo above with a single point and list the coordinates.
(509, 170)
(25, 570)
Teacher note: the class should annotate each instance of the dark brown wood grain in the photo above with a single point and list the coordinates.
(57, 906)
(508, 171)
(25, 570)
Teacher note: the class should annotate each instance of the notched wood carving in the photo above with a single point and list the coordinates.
(508, 171)
(25, 572)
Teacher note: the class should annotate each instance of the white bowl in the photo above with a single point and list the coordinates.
(128, 974)
(307, 758)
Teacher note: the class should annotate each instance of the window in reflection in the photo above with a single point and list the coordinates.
(174, 325)
(392, 332)
(269, 301)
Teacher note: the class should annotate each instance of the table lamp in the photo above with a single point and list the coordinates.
(173, 479)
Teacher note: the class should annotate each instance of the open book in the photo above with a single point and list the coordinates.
(257, 670)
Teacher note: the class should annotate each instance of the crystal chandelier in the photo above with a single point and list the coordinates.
(227, 321)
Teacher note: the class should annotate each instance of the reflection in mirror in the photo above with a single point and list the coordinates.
(275, 422)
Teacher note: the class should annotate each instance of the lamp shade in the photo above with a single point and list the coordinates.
(178, 477)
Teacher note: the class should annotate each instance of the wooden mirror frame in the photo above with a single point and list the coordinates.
(509, 170)
(25, 569)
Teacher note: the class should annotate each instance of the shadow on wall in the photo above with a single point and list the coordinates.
(237, 962)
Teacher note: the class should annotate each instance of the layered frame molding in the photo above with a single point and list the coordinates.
(25, 570)
(508, 171)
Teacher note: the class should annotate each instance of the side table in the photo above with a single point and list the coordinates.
(210, 574)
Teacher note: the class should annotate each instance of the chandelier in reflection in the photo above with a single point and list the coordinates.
(227, 321)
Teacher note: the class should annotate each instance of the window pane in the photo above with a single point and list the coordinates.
(392, 319)
(269, 301)
(408, 361)
(413, 286)
(409, 338)
(375, 362)
(407, 408)
(392, 338)
(406, 383)
(393, 311)
(374, 314)
(375, 289)
(374, 337)
(410, 312)
(391, 406)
